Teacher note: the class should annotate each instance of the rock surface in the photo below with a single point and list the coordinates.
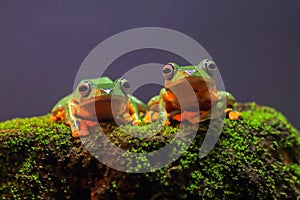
(256, 157)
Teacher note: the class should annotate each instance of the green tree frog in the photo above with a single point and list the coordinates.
(201, 79)
(96, 100)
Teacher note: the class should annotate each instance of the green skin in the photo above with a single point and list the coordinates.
(201, 79)
(104, 100)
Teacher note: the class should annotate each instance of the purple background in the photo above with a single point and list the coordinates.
(42, 44)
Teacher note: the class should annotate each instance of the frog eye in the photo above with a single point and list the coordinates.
(84, 89)
(125, 85)
(210, 66)
(168, 71)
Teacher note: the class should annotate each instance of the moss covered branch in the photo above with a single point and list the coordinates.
(256, 157)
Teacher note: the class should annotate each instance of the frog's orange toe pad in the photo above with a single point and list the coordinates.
(147, 118)
(53, 118)
(137, 122)
(177, 117)
(80, 133)
(60, 114)
(75, 134)
(166, 123)
(192, 117)
(234, 115)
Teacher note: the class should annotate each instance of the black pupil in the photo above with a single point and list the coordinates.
(212, 66)
(126, 85)
(83, 88)
(166, 70)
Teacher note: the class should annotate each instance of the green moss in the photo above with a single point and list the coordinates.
(256, 157)
(252, 157)
(26, 145)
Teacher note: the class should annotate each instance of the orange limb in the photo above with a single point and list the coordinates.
(148, 118)
(53, 118)
(151, 116)
(59, 115)
(83, 128)
(234, 115)
(155, 115)
(192, 117)
(134, 115)
(91, 123)
(177, 117)
(166, 122)
(168, 95)
(130, 108)
(137, 122)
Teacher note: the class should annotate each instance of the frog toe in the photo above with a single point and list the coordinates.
(234, 115)
(147, 121)
(75, 134)
(231, 114)
(137, 122)
(148, 118)
(166, 123)
(53, 118)
(83, 133)
(80, 133)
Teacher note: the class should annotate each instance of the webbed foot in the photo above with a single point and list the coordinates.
(232, 115)
(80, 133)
(53, 118)
(137, 122)
(192, 117)
(148, 118)
(59, 116)
(80, 127)
(166, 122)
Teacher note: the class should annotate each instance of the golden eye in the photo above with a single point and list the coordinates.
(125, 85)
(168, 71)
(210, 66)
(84, 89)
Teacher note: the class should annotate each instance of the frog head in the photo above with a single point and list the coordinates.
(98, 95)
(199, 77)
(173, 73)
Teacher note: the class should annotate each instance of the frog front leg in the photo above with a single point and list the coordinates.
(136, 120)
(163, 114)
(152, 111)
(230, 101)
(135, 108)
(157, 108)
(78, 126)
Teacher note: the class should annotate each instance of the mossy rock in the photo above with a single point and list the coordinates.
(256, 157)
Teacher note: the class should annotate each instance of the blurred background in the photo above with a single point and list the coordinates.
(256, 46)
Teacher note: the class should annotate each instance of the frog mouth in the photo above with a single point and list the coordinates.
(104, 107)
(193, 81)
(102, 99)
(194, 93)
